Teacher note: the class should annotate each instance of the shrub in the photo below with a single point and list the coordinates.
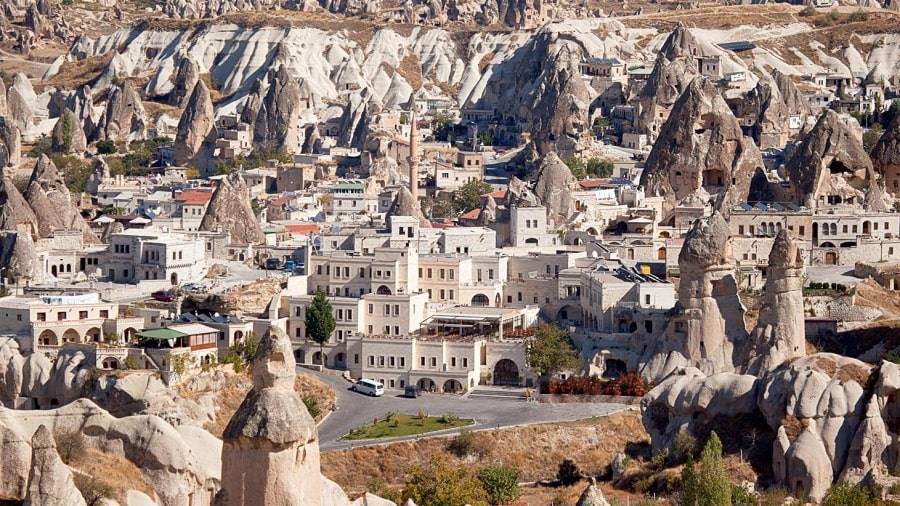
(132, 362)
(449, 418)
(807, 11)
(568, 473)
(684, 446)
(468, 443)
(859, 16)
(312, 405)
(441, 483)
(709, 484)
(844, 494)
(501, 484)
(94, 491)
(106, 147)
(70, 446)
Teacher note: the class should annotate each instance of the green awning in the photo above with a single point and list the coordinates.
(162, 334)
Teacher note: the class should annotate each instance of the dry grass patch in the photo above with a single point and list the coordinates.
(535, 450)
(411, 70)
(75, 74)
(114, 471)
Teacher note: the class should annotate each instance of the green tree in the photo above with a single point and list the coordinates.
(576, 166)
(600, 125)
(871, 136)
(106, 147)
(441, 483)
(468, 197)
(320, 321)
(844, 494)
(485, 138)
(598, 167)
(441, 126)
(550, 351)
(501, 484)
(66, 127)
(708, 485)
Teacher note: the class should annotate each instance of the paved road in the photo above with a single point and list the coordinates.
(832, 274)
(354, 409)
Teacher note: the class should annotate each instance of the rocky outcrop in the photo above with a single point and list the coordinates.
(354, 131)
(99, 173)
(829, 163)
(277, 124)
(407, 205)
(124, 118)
(702, 154)
(886, 157)
(186, 79)
(592, 496)
(780, 333)
(15, 213)
(558, 109)
(779, 110)
(50, 482)
(229, 211)
(196, 128)
(554, 187)
(49, 198)
(10, 143)
(270, 454)
(675, 68)
(68, 135)
(20, 100)
(15, 464)
(706, 327)
(20, 259)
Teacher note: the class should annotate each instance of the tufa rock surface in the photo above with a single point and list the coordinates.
(554, 187)
(10, 143)
(229, 211)
(886, 157)
(196, 128)
(50, 480)
(124, 118)
(68, 135)
(15, 212)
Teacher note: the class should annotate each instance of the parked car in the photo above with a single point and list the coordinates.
(368, 387)
(162, 296)
(411, 391)
(273, 264)
(289, 266)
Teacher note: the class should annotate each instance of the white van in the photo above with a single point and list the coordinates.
(369, 387)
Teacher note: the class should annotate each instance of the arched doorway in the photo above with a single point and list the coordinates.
(831, 258)
(47, 338)
(531, 241)
(317, 358)
(93, 334)
(506, 372)
(383, 290)
(110, 363)
(426, 385)
(867, 228)
(481, 300)
(130, 332)
(497, 300)
(614, 368)
(451, 386)
(340, 360)
(174, 278)
(53, 270)
(300, 356)
(71, 336)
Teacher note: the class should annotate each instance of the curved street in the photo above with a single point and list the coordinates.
(354, 410)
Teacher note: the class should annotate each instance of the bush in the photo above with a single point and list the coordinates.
(807, 11)
(859, 16)
(441, 483)
(709, 484)
(568, 473)
(70, 446)
(844, 494)
(132, 363)
(684, 446)
(449, 418)
(94, 491)
(312, 405)
(106, 147)
(501, 484)
(468, 443)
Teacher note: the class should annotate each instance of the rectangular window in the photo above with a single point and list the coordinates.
(433, 361)
(452, 361)
(402, 361)
(387, 310)
(451, 273)
(349, 314)
(451, 294)
(441, 274)
(61, 315)
(465, 363)
(371, 360)
(740, 230)
(356, 358)
(42, 317)
(392, 361)
(387, 330)
(82, 315)
(381, 361)
(371, 308)
(442, 294)
(396, 330)
(422, 361)
(298, 311)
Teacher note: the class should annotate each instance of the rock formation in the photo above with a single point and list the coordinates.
(99, 173)
(229, 210)
(554, 187)
(2, 95)
(49, 198)
(15, 464)
(19, 256)
(50, 482)
(780, 333)
(829, 163)
(277, 124)
(270, 455)
(124, 117)
(675, 68)
(196, 127)
(886, 157)
(15, 213)
(701, 153)
(778, 109)
(592, 496)
(707, 324)
(19, 103)
(186, 79)
(406, 205)
(10, 143)
(68, 135)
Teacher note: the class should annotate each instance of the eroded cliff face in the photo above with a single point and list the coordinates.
(886, 157)
(779, 109)
(52, 204)
(229, 210)
(196, 128)
(701, 156)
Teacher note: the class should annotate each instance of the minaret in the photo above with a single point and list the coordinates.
(413, 152)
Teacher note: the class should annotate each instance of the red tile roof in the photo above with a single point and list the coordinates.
(590, 184)
(302, 228)
(194, 197)
(497, 194)
(471, 215)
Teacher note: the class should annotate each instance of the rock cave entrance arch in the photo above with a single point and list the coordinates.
(506, 373)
